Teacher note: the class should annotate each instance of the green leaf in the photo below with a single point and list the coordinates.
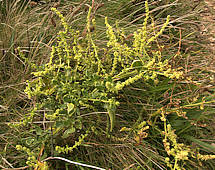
(30, 141)
(70, 107)
(111, 108)
(137, 64)
(68, 132)
(38, 131)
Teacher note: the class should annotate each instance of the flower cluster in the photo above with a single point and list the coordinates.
(139, 131)
(68, 149)
(32, 161)
(179, 151)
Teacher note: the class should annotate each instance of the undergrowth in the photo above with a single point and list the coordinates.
(125, 103)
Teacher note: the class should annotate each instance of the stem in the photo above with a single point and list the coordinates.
(176, 160)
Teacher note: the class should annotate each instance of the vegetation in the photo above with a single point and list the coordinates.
(105, 85)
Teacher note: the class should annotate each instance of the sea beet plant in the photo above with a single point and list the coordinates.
(77, 90)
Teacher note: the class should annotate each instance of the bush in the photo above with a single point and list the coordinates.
(78, 91)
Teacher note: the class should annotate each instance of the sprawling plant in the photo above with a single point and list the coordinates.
(77, 90)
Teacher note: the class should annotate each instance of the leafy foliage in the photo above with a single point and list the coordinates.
(77, 95)
(76, 81)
